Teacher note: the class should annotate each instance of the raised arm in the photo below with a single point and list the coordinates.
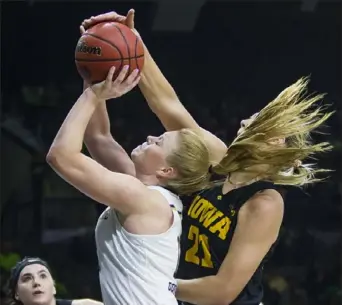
(257, 229)
(100, 143)
(160, 95)
(103, 147)
(122, 192)
(164, 102)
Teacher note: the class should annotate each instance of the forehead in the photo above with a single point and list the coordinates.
(34, 269)
(169, 135)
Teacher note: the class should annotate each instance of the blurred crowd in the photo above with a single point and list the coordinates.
(223, 72)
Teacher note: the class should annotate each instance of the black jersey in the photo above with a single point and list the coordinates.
(209, 222)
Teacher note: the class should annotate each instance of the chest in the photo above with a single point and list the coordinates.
(208, 226)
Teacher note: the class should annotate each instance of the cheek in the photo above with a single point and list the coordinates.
(154, 154)
(24, 292)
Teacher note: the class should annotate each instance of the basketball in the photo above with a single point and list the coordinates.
(106, 45)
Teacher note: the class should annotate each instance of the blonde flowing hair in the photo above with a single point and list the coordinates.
(292, 116)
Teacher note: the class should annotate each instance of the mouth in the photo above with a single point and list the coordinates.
(142, 146)
(38, 292)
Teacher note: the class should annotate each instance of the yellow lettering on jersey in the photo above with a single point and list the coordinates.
(222, 227)
(203, 210)
(193, 203)
(198, 208)
(199, 240)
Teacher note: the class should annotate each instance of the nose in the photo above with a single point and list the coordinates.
(243, 123)
(151, 139)
(35, 283)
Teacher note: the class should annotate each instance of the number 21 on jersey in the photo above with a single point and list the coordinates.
(199, 240)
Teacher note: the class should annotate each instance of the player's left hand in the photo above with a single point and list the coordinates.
(110, 88)
(127, 20)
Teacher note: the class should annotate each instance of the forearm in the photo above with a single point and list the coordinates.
(103, 147)
(70, 135)
(99, 124)
(110, 154)
(201, 291)
(153, 84)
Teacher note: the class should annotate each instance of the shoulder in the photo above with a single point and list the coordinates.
(85, 302)
(267, 201)
(264, 211)
(173, 200)
(164, 201)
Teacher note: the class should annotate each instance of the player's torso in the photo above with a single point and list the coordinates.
(136, 268)
(208, 225)
(209, 222)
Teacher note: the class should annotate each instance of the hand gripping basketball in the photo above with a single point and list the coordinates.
(110, 88)
(127, 20)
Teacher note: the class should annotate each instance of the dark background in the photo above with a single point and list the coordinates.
(235, 59)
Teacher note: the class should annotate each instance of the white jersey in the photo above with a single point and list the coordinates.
(138, 269)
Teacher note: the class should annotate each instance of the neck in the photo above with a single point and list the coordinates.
(147, 179)
(237, 179)
(242, 178)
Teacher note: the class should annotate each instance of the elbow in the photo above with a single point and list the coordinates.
(52, 156)
(58, 159)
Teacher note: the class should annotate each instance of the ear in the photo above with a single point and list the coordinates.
(165, 173)
(278, 141)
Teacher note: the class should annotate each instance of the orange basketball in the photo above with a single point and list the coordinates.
(106, 45)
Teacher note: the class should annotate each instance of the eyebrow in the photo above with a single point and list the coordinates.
(29, 273)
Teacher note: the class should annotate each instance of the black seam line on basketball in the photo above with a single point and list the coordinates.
(106, 41)
(135, 53)
(127, 45)
(104, 59)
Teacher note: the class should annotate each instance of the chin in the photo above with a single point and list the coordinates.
(134, 154)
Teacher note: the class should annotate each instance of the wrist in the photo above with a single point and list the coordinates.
(92, 96)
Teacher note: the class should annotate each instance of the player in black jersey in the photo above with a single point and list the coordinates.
(31, 283)
(231, 225)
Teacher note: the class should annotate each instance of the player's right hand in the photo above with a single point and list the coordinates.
(110, 88)
(127, 20)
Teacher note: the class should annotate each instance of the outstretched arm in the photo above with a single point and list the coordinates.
(121, 192)
(160, 95)
(100, 143)
(164, 102)
(103, 147)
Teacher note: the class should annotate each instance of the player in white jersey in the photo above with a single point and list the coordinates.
(137, 236)
(137, 269)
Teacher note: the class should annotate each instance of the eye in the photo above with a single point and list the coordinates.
(160, 141)
(43, 276)
(25, 279)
